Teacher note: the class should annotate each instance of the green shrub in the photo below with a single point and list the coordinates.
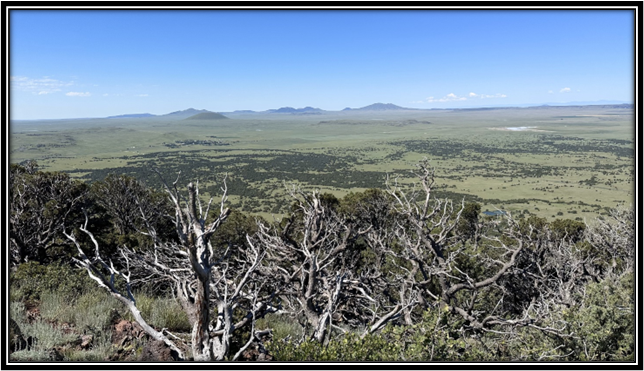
(31, 279)
(30, 356)
(90, 313)
(55, 307)
(24, 281)
(97, 311)
(282, 326)
(45, 335)
(168, 313)
(161, 312)
(17, 312)
(604, 322)
(100, 350)
(433, 339)
(348, 347)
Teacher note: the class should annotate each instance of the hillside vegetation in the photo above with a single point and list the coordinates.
(116, 270)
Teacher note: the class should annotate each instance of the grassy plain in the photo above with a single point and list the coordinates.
(570, 162)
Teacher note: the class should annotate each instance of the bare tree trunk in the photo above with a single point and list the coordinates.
(189, 266)
(200, 337)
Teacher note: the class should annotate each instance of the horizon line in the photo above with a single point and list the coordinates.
(518, 105)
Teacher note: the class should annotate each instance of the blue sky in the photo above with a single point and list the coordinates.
(97, 63)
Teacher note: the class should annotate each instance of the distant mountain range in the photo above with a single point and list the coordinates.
(312, 110)
(195, 114)
(316, 111)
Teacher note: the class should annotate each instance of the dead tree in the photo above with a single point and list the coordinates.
(309, 259)
(520, 267)
(202, 276)
(613, 239)
(421, 243)
(434, 264)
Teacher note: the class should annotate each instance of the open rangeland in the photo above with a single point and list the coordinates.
(555, 162)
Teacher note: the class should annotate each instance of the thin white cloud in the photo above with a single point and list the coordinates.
(78, 94)
(451, 97)
(141, 95)
(498, 95)
(565, 90)
(550, 92)
(42, 86)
